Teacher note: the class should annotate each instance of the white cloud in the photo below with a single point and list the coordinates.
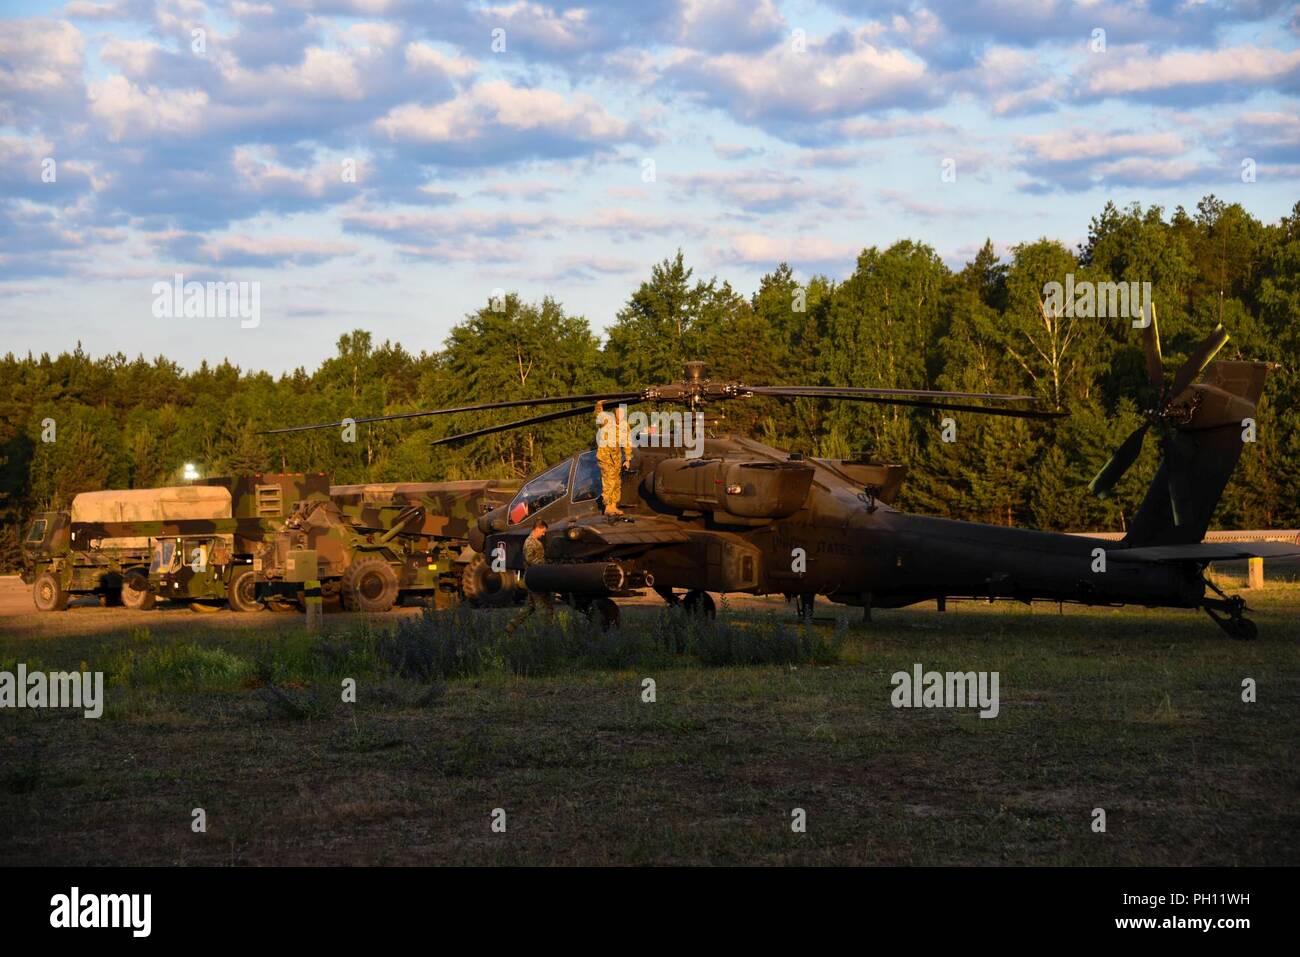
(128, 112)
(784, 90)
(765, 249)
(1134, 70)
(497, 103)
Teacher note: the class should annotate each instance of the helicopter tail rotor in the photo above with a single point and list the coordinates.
(1201, 417)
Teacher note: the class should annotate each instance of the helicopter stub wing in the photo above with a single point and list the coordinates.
(596, 530)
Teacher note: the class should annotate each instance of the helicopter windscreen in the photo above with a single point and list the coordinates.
(540, 492)
(586, 477)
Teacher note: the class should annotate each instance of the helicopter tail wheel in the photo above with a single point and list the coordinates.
(1235, 625)
(699, 602)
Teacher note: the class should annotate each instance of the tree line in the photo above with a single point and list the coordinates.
(902, 319)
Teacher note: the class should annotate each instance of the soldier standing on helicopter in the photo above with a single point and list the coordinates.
(613, 454)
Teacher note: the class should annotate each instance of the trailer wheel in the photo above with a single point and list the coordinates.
(484, 588)
(136, 593)
(242, 591)
(369, 585)
(48, 593)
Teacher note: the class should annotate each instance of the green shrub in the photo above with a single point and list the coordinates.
(180, 665)
(464, 643)
(723, 641)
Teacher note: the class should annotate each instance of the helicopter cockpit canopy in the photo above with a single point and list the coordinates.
(540, 492)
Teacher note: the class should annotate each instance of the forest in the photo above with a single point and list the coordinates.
(902, 319)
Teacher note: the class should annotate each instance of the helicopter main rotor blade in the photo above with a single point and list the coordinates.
(1201, 356)
(1119, 463)
(1155, 363)
(483, 406)
(847, 391)
(800, 393)
(532, 420)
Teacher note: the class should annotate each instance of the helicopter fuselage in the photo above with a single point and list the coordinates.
(744, 517)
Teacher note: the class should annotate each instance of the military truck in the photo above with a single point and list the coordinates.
(191, 543)
(209, 566)
(102, 545)
(371, 545)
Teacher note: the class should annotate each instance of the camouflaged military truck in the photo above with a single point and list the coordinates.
(207, 567)
(102, 545)
(371, 545)
(191, 543)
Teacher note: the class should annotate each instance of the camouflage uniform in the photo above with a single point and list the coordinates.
(612, 456)
(534, 554)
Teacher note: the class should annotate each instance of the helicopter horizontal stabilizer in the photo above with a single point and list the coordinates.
(1205, 552)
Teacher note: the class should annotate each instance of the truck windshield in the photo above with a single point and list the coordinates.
(165, 558)
(36, 534)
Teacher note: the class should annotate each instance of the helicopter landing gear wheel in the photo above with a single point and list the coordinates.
(804, 606)
(606, 612)
(700, 603)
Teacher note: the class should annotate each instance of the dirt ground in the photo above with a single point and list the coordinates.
(85, 616)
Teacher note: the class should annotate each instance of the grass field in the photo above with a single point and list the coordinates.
(1137, 712)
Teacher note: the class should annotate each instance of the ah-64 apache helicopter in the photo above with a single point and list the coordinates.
(744, 517)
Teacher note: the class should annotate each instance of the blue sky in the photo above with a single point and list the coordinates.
(797, 131)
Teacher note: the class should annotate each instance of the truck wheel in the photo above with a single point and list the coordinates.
(48, 593)
(484, 588)
(242, 591)
(110, 594)
(369, 585)
(136, 594)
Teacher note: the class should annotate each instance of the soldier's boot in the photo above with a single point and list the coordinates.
(516, 621)
(610, 491)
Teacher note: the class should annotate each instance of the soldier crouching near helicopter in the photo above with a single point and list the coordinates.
(534, 554)
(613, 454)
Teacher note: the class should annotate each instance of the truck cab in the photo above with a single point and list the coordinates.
(46, 539)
